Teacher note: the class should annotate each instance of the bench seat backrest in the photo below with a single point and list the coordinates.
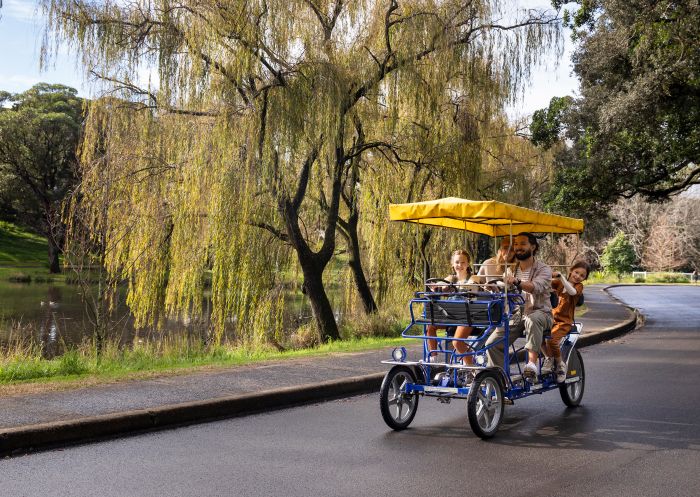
(461, 312)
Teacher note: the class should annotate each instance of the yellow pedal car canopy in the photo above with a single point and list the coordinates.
(486, 217)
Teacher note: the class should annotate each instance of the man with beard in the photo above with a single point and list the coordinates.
(533, 278)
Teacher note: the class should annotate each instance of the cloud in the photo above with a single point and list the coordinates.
(17, 83)
(20, 10)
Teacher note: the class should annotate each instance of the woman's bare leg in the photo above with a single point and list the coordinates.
(432, 344)
(462, 347)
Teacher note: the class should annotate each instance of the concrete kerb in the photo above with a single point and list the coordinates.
(611, 332)
(47, 435)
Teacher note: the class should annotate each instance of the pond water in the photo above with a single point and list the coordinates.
(53, 315)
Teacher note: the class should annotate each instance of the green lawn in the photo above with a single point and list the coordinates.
(18, 246)
(23, 364)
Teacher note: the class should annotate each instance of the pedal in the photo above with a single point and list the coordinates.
(508, 401)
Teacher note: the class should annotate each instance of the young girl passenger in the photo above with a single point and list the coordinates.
(461, 272)
(569, 291)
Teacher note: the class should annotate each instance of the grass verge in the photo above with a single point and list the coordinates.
(627, 278)
(23, 364)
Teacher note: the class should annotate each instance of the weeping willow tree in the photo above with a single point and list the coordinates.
(246, 153)
(470, 151)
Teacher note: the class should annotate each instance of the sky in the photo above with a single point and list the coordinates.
(20, 42)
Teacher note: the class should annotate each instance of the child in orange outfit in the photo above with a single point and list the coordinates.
(569, 291)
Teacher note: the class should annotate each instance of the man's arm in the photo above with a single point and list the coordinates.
(540, 281)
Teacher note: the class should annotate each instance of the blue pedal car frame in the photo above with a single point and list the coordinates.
(441, 372)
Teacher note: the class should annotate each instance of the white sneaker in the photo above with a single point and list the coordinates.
(530, 372)
(561, 372)
(547, 365)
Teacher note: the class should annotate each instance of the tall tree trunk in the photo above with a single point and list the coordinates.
(349, 231)
(54, 252)
(54, 231)
(320, 304)
(313, 263)
(423, 245)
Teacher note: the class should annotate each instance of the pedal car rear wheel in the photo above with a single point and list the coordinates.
(572, 390)
(398, 408)
(485, 404)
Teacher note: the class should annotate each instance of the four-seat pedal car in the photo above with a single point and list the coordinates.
(444, 373)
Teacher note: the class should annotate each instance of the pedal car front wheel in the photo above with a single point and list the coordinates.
(485, 404)
(398, 408)
(572, 390)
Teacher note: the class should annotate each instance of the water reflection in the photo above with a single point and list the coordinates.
(48, 329)
(54, 316)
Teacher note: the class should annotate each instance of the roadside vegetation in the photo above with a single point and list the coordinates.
(23, 360)
(24, 364)
(601, 277)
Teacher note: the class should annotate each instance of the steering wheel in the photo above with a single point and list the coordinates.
(432, 282)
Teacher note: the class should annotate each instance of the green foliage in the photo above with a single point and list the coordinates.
(618, 256)
(668, 278)
(664, 278)
(71, 363)
(636, 127)
(546, 125)
(601, 277)
(39, 132)
(583, 17)
(273, 120)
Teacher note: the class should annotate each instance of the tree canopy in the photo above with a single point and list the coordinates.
(636, 127)
(39, 134)
(618, 256)
(271, 125)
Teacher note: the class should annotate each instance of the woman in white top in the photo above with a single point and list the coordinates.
(461, 273)
(495, 267)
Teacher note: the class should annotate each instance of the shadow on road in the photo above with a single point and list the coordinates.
(569, 429)
(587, 429)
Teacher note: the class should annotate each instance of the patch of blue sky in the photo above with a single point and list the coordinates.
(21, 30)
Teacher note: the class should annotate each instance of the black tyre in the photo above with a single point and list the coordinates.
(485, 404)
(572, 390)
(398, 409)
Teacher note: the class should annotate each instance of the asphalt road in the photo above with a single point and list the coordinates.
(636, 434)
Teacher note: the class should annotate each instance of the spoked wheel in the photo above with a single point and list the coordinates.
(572, 390)
(398, 408)
(485, 404)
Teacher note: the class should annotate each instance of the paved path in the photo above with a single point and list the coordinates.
(38, 419)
